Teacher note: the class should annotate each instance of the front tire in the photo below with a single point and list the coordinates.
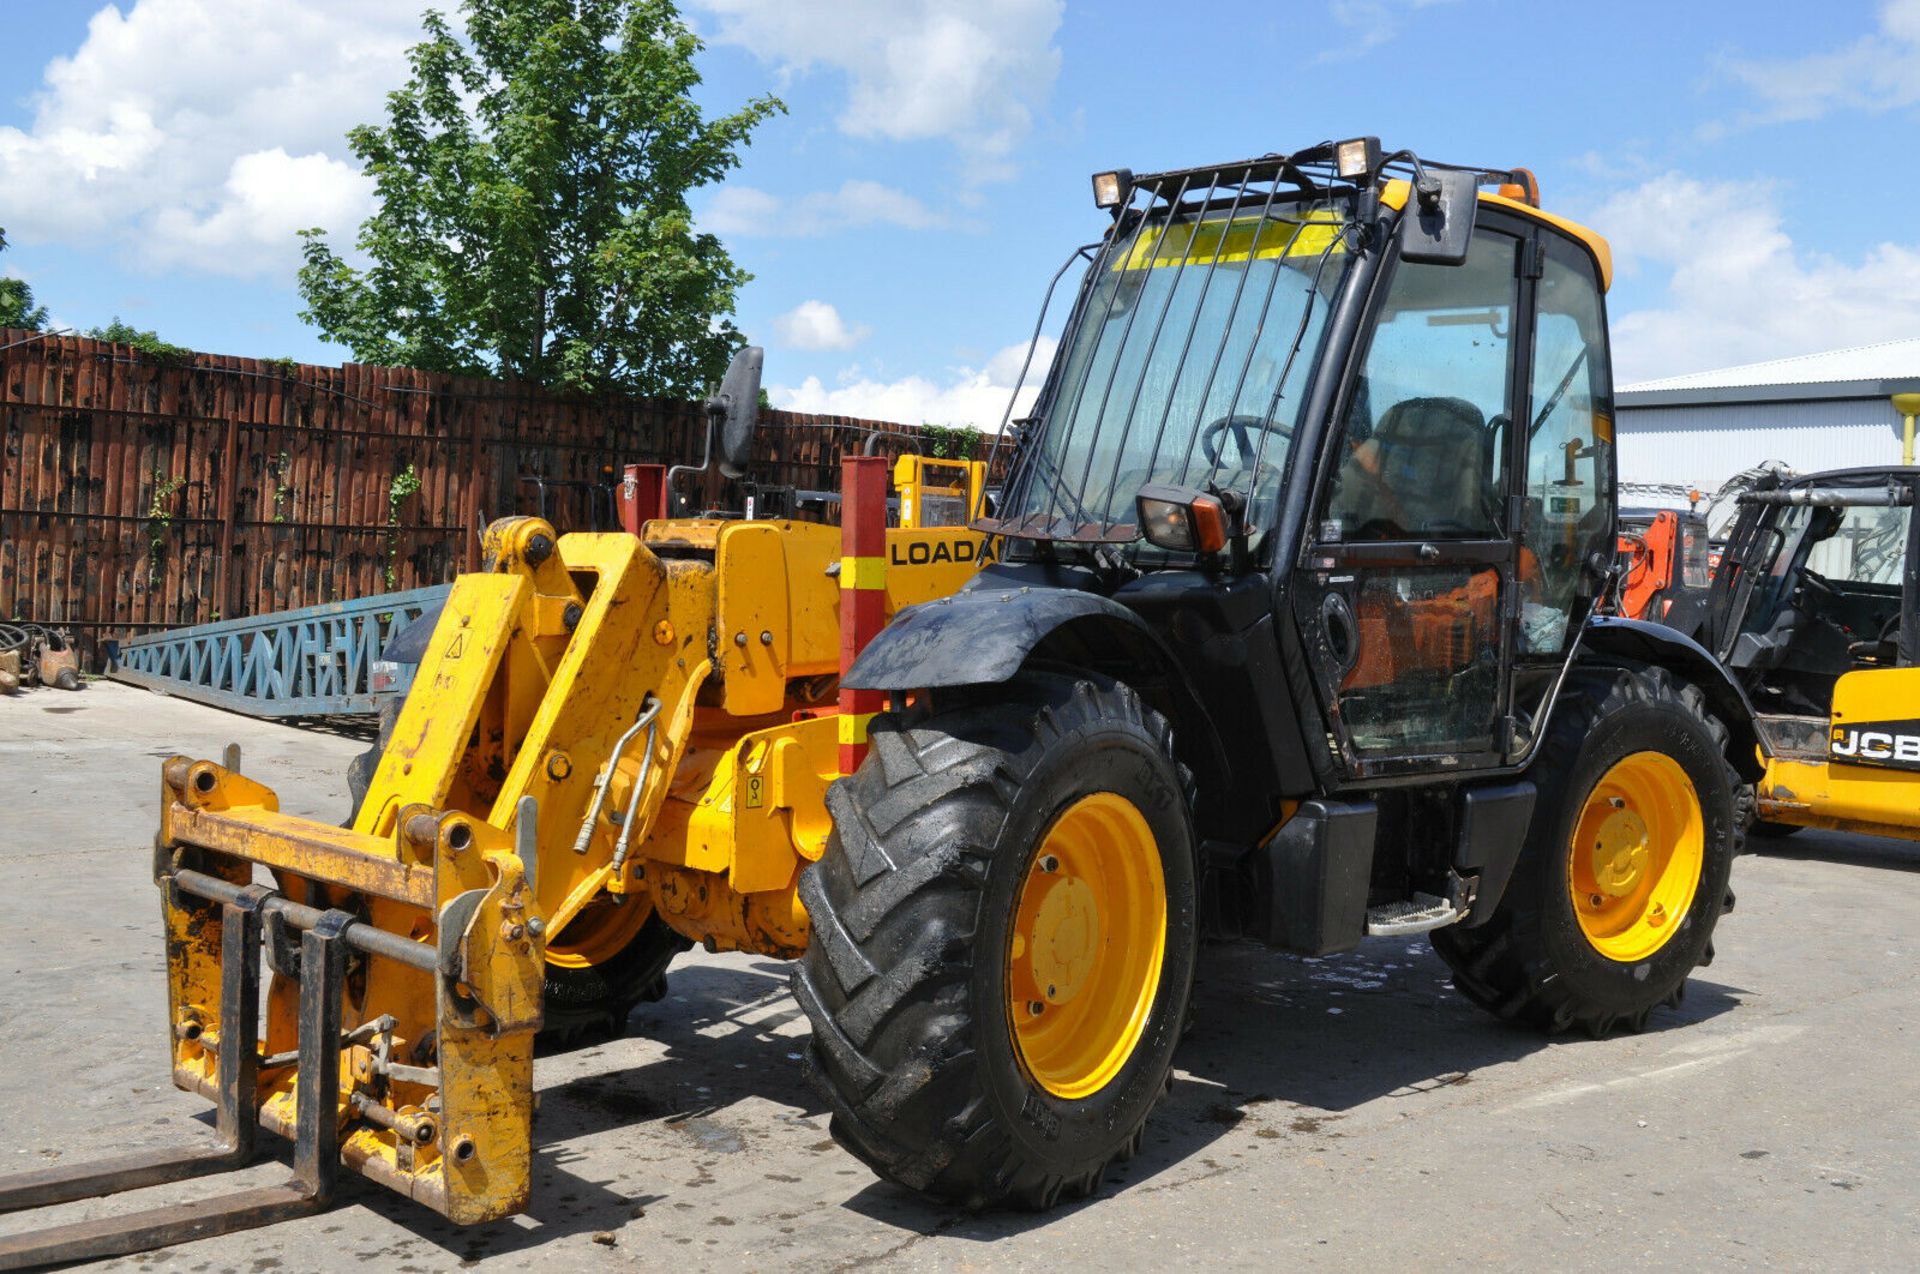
(1624, 871)
(1003, 941)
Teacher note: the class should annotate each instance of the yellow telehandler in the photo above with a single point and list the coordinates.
(1281, 626)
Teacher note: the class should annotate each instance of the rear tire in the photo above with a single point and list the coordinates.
(1548, 955)
(950, 842)
(587, 999)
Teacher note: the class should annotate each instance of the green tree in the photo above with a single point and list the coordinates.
(147, 342)
(533, 222)
(16, 301)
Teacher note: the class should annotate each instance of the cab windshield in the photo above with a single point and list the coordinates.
(1186, 362)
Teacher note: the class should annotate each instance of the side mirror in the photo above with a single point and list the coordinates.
(1436, 227)
(735, 408)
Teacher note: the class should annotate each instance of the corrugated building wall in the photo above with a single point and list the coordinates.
(1829, 410)
(1704, 444)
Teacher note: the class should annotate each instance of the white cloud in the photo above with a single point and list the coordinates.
(267, 195)
(970, 396)
(1368, 24)
(816, 325)
(205, 132)
(1738, 289)
(974, 74)
(746, 210)
(1874, 74)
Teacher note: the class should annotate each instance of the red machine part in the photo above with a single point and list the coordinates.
(863, 592)
(1652, 557)
(643, 496)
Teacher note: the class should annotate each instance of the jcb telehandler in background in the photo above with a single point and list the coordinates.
(1290, 638)
(1815, 610)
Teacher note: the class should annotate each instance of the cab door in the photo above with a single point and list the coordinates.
(1468, 481)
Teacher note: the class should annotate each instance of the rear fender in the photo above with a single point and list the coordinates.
(1687, 659)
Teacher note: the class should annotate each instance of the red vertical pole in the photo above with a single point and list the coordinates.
(643, 496)
(863, 592)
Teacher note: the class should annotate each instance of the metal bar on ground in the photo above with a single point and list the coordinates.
(314, 661)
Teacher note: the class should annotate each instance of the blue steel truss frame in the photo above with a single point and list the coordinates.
(309, 662)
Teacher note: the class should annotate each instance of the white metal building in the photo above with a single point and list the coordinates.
(1817, 411)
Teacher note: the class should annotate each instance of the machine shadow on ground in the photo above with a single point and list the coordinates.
(1814, 845)
(1290, 1044)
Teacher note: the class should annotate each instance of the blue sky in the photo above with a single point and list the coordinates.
(1753, 169)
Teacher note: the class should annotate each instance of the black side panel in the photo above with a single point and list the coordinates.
(1661, 646)
(1313, 877)
(1493, 827)
(1222, 633)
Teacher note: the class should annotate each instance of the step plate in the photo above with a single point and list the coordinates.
(1419, 914)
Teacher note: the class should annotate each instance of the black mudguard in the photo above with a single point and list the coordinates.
(983, 636)
(1656, 644)
(986, 633)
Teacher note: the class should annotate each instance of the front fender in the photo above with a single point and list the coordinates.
(1661, 646)
(978, 637)
(983, 636)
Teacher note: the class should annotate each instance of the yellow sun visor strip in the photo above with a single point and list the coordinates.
(1284, 236)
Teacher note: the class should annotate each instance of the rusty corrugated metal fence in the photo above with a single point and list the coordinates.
(137, 494)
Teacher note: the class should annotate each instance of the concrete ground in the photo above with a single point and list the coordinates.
(1348, 1113)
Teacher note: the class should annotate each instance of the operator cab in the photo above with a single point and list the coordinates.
(1375, 387)
(1817, 582)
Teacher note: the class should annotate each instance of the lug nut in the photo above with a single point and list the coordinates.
(1048, 863)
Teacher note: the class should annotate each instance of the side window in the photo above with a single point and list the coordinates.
(1426, 433)
(1569, 493)
(1868, 547)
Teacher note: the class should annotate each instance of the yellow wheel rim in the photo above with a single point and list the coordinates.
(1636, 857)
(1089, 934)
(599, 932)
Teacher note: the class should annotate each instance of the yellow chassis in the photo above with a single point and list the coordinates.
(604, 727)
(1859, 773)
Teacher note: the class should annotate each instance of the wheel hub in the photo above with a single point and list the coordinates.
(1620, 853)
(1066, 937)
(1086, 946)
(1638, 851)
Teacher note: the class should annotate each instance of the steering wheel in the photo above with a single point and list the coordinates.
(1216, 431)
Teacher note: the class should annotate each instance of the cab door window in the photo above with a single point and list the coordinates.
(1410, 610)
(1426, 428)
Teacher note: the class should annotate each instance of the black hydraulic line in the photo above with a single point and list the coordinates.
(1146, 358)
(1033, 343)
(1114, 251)
(1126, 334)
(1146, 363)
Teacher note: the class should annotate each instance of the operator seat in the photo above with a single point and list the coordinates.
(1423, 470)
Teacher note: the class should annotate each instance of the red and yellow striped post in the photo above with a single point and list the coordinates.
(863, 592)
